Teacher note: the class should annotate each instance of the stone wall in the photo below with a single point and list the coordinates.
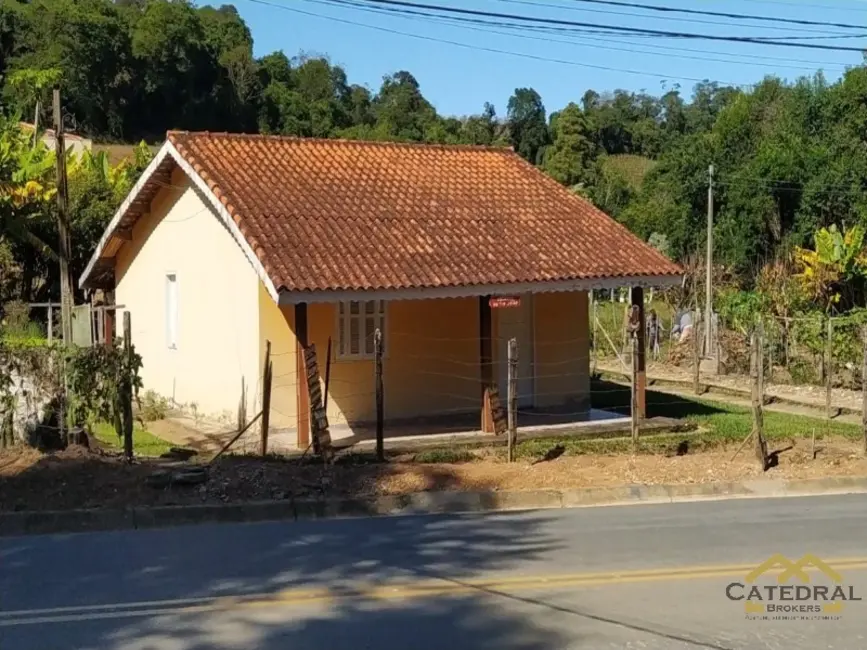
(31, 390)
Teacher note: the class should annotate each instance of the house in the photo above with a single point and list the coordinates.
(75, 143)
(231, 241)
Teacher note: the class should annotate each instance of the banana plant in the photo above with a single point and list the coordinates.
(834, 266)
(26, 187)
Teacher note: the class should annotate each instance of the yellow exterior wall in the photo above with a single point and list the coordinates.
(562, 360)
(218, 310)
(276, 324)
(430, 365)
(432, 357)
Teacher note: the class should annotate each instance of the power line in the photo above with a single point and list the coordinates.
(476, 25)
(798, 3)
(776, 41)
(719, 14)
(749, 56)
(668, 18)
(489, 49)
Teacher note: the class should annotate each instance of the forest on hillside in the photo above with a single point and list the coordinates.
(790, 158)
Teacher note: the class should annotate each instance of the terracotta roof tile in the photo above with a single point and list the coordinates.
(352, 215)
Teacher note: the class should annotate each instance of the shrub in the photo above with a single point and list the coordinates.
(803, 372)
(17, 325)
(153, 406)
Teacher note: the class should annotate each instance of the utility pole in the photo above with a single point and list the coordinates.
(36, 125)
(708, 298)
(63, 222)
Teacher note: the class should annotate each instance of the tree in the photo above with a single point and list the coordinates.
(31, 90)
(528, 130)
(26, 203)
(400, 110)
(789, 156)
(481, 129)
(570, 157)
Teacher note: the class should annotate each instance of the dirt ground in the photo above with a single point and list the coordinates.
(78, 478)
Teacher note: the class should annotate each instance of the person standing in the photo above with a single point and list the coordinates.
(653, 334)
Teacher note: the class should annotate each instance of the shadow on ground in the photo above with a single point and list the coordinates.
(80, 478)
(611, 396)
(260, 561)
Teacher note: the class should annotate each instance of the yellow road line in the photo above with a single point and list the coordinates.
(393, 591)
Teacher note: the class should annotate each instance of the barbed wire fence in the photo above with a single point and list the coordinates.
(813, 362)
(434, 385)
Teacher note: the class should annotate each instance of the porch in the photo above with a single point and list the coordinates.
(441, 356)
(550, 421)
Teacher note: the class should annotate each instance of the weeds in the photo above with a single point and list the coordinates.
(444, 456)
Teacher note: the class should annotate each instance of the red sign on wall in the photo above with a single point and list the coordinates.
(502, 302)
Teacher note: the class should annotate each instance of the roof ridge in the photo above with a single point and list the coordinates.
(382, 143)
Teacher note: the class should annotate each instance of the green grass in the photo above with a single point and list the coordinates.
(143, 443)
(633, 168)
(721, 423)
(657, 444)
(444, 456)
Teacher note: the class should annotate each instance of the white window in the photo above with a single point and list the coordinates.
(356, 324)
(172, 311)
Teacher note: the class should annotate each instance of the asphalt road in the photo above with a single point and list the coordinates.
(649, 577)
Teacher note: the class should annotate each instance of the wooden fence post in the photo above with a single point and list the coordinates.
(770, 344)
(242, 405)
(760, 329)
(266, 397)
(758, 397)
(512, 398)
(829, 366)
(380, 425)
(696, 352)
(634, 408)
(864, 389)
(127, 387)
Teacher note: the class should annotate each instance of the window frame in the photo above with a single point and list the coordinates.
(172, 320)
(343, 315)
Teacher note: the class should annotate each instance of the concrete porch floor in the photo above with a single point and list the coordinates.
(464, 430)
(468, 426)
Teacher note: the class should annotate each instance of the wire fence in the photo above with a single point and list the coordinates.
(435, 384)
(814, 361)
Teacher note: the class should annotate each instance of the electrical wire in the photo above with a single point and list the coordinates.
(557, 30)
(669, 18)
(776, 41)
(589, 41)
(798, 3)
(492, 50)
(721, 14)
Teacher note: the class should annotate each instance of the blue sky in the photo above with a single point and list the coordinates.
(458, 80)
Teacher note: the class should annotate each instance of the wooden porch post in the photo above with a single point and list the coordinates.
(108, 318)
(486, 360)
(641, 378)
(303, 396)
